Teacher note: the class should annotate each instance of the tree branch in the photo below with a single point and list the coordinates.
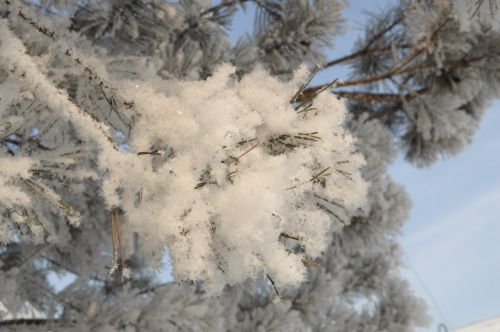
(224, 4)
(398, 69)
(366, 49)
(368, 97)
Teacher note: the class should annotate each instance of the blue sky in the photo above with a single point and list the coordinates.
(452, 236)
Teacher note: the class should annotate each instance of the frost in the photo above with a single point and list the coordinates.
(473, 14)
(246, 169)
(243, 172)
(225, 177)
(12, 170)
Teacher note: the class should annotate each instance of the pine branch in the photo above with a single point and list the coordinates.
(367, 49)
(95, 79)
(363, 52)
(402, 67)
(221, 6)
(374, 98)
(391, 74)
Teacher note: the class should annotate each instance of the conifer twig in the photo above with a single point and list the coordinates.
(122, 261)
(113, 261)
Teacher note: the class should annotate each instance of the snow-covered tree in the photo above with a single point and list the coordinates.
(134, 129)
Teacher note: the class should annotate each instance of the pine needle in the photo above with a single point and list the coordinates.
(310, 262)
(274, 285)
(320, 174)
(296, 238)
(243, 154)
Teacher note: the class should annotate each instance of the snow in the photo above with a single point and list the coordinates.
(244, 185)
(473, 14)
(246, 167)
(26, 311)
(488, 325)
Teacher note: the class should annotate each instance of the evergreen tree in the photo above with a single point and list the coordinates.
(128, 127)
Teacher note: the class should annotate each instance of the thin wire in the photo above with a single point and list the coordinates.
(427, 290)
